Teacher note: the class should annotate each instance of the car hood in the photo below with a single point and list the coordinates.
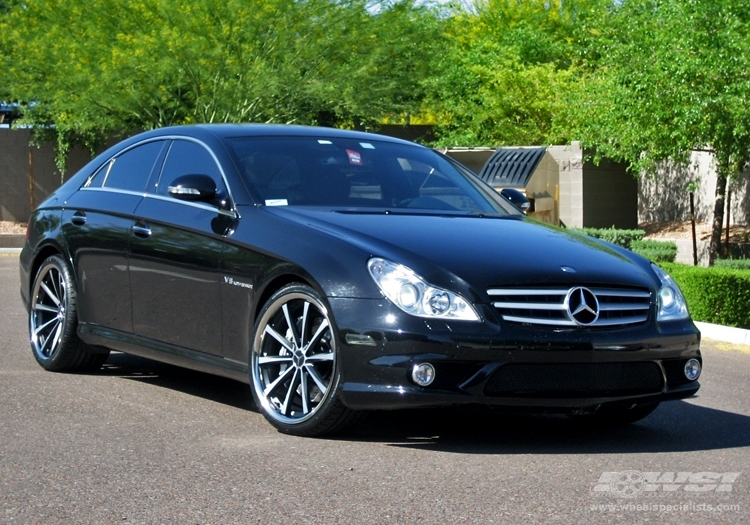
(481, 251)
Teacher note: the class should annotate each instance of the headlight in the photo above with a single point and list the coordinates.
(672, 304)
(414, 296)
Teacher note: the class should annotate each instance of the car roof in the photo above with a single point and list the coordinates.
(224, 131)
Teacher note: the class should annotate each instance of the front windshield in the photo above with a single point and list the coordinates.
(355, 173)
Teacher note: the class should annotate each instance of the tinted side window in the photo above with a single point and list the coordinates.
(132, 169)
(98, 179)
(188, 158)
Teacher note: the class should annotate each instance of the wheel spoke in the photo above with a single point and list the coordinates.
(60, 287)
(318, 380)
(56, 340)
(50, 294)
(43, 307)
(290, 324)
(314, 340)
(45, 325)
(274, 359)
(280, 338)
(304, 391)
(305, 311)
(290, 392)
(49, 337)
(270, 388)
(319, 358)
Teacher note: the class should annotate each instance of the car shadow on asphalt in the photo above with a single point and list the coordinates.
(199, 384)
(676, 426)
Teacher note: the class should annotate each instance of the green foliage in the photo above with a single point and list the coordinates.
(735, 264)
(667, 76)
(657, 251)
(488, 98)
(714, 295)
(89, 68)
(506, 71)
(623, 238)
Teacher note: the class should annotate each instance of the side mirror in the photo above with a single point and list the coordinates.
(193, 188)
(516, 198)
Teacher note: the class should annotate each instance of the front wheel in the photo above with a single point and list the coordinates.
(53, 320)
(293, 364)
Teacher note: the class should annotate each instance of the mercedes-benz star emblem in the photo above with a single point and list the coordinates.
(582, 305)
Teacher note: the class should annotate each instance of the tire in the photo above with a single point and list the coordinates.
(294, 370)
(53, 320)
(618, 417)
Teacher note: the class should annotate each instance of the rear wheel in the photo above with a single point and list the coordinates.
(294, 366)
(53, 320)
(617, 417)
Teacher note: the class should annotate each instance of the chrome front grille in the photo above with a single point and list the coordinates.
(576, 306)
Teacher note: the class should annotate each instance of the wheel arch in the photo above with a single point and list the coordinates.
(276, 284)
(42, 254)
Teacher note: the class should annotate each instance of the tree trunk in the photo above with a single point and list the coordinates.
(721, 190)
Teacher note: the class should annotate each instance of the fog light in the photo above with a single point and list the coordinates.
(693, 369)
(423, 374)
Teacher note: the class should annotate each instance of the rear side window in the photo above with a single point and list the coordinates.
(129, 171)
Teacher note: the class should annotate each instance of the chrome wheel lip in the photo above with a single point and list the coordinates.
(47, 314)
(300, 366)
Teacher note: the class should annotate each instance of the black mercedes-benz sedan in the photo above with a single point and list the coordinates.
(338, 271)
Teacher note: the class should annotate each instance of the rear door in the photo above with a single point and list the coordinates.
(97, 224)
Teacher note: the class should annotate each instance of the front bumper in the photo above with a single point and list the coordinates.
(501, 364)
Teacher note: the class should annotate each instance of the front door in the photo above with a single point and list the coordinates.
(175, 255)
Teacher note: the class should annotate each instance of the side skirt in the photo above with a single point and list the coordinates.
(165, 353)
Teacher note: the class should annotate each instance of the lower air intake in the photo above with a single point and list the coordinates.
(575, 380)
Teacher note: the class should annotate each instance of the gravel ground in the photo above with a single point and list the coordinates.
(683, 230)
(10, 227)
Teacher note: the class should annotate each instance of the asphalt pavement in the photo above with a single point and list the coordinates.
(146, 443)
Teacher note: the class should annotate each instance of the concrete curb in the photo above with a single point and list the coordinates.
(10, 251)
(12, 240)
(728, 334)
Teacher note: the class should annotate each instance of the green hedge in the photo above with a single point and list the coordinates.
(619, 237)
(657, 251)
(736, 264)
(714, 295)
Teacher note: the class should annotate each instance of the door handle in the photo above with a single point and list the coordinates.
(78, 218)
(142, 230)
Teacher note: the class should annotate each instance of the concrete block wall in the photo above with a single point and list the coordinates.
(665, 197)
(570, 161)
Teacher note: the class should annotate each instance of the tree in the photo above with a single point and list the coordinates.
(86, 69)
(505, 74)
(665, 77)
